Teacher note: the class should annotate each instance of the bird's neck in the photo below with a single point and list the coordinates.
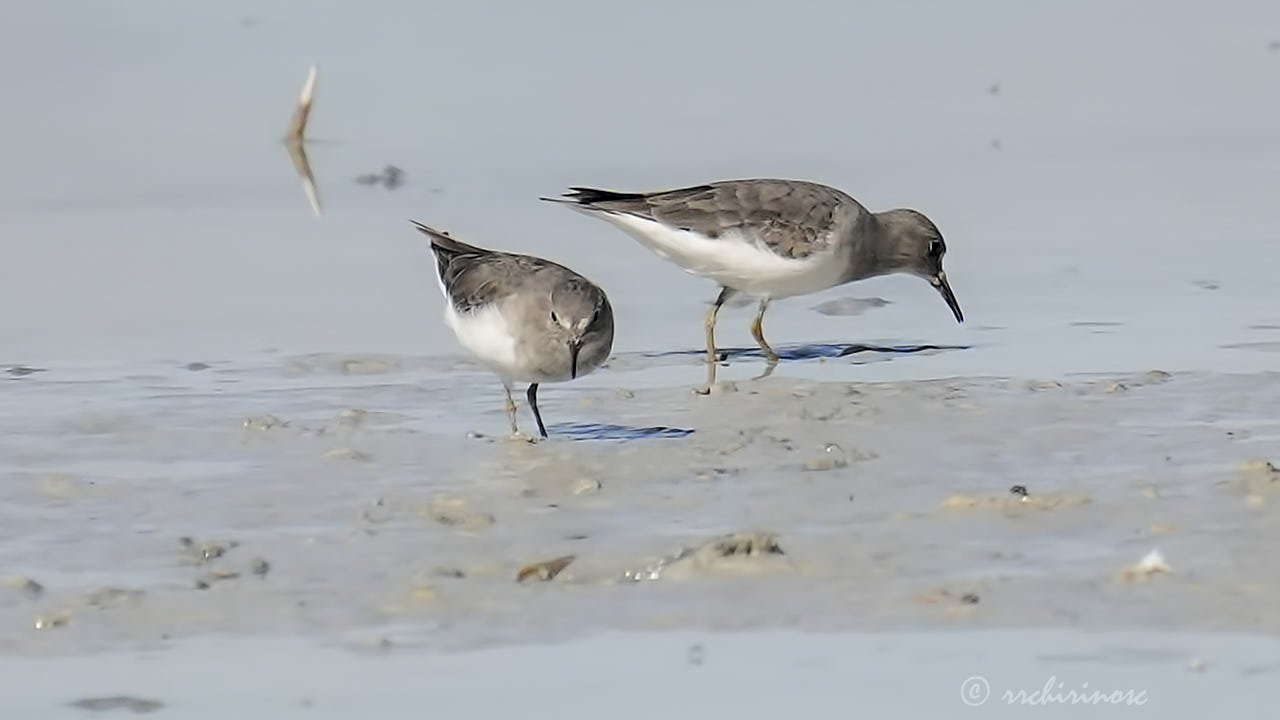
(872, 253)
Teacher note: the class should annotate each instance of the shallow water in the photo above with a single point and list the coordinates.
(751, 675)
(1131, 187)
(187, 351)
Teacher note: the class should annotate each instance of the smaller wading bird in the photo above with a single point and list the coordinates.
(525, 318)
(770, 239)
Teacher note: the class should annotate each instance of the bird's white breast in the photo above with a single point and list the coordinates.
(733, 261)
(485, 334)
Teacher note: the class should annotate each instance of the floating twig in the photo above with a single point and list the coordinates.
(295, 141)
(298, 124)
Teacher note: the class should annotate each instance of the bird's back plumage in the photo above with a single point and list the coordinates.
(791, 219)
(473, 277)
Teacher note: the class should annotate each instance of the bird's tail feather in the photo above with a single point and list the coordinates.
(595, 198)
(441, 241)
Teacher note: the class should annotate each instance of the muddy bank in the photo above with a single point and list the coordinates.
(259, 498)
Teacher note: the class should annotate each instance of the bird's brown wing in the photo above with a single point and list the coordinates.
(793, 219)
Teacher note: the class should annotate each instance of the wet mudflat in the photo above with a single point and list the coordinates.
(332, 493)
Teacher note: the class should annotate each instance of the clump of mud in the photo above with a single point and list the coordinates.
(740, 553)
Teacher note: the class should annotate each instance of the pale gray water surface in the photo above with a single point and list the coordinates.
(1104, 175)
(616, 675)
(147, 209)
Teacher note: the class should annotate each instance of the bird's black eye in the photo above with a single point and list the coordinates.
(935, 248)
(554, 319)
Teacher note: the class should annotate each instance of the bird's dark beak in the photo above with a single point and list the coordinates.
(574, 347)
(939, 281)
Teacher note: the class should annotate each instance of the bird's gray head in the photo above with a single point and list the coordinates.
(912, 244)
(581, 318)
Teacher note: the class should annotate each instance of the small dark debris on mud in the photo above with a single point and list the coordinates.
(545, 570)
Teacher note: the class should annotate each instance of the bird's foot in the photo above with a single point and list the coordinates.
(768, 369)
(719, 388)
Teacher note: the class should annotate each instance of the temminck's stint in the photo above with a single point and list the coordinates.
(771, 239)
(525, 318)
